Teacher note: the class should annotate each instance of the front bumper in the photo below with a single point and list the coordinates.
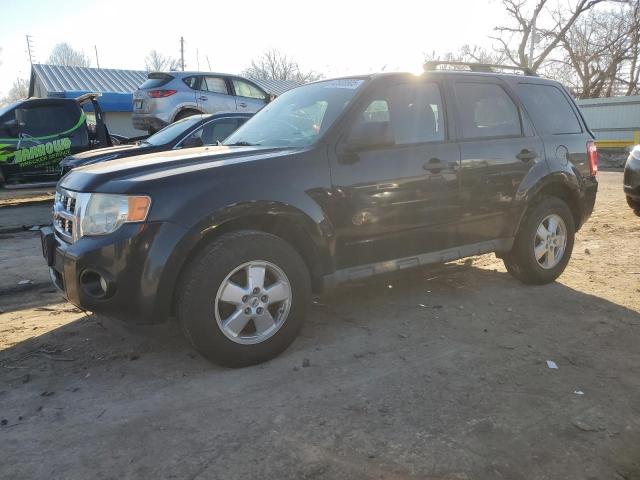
(147, 122)
(131, 263)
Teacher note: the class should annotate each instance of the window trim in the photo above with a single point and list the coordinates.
(369, 98)
(571, 103)
(513, 98)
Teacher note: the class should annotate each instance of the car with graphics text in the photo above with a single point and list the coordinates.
(332, 182)
(37, 133)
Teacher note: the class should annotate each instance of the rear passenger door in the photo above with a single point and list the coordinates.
(214, 95)
(249, 97)
(498, 148)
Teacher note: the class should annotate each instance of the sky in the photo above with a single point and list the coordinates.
(330, 36)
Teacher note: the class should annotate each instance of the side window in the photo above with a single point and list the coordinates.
(404, 114)
(46, 119)
(486, 111)
(8, 125)
(214, 85)
(549, 108)
(191, 82)
(245, 89)
(218, 130)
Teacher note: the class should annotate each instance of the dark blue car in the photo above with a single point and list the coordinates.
(193, 131)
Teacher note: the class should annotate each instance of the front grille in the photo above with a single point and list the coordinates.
(64, 214)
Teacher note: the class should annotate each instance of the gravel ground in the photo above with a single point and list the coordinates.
(438, 373)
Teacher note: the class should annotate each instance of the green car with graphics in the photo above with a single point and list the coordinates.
(37, 133)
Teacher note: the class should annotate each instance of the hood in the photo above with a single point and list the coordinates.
(101, 154)
(128, 174)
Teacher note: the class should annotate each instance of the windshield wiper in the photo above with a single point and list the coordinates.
(242, 144)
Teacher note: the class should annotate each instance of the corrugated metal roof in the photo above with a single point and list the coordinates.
(57, 78)
(277, 87)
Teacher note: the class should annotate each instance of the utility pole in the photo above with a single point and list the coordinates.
(182, 53)
(97, 61)
(208, 63)
(30, 48)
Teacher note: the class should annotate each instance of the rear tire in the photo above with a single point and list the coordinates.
(537, 258)
(634, 204)
(220, 291)
(185, 113)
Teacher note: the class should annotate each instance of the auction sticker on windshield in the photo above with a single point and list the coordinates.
(350, 83)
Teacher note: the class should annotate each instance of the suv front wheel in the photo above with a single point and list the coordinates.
(543, 244)
(243, 298)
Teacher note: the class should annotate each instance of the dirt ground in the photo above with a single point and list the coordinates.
(439, 373)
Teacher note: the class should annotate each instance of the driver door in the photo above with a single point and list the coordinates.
(399, 197)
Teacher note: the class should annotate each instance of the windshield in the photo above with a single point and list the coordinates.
(173, 131)
(298, 117)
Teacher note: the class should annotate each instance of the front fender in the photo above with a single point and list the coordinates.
(313, 223)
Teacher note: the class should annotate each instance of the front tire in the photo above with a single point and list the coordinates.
(243, 298)
(543, 244)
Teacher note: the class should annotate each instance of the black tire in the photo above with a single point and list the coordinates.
(634, 204)
(185, 113)
(521, 261)
(202, 279)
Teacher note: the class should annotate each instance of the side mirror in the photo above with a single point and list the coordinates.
(270, 98)
(365, 136)
(192, 142)
(12, 127)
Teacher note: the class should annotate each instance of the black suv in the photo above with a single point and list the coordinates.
(334, 181)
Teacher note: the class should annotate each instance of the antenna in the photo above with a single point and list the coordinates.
(30, 48)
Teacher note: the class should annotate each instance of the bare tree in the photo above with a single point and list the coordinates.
(19, 90)
(64, 54)
(467, 53)
(156, 62)
(599, 55)
(274, 65)
(533, 21)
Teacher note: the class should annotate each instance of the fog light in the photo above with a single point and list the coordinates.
(96, 285)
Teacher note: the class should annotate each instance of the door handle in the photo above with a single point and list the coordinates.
(242, 104)
(434, 165)
(526, 155)
(203, 98)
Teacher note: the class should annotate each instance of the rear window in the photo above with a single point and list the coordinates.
(156, 81)
(46, 119)
(486, 111)
(549, 109)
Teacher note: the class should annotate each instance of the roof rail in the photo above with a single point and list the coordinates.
(478, 67)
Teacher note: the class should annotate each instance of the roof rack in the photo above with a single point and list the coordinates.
(478, 67)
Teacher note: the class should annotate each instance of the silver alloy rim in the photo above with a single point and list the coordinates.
(253, 302)
(550, 241)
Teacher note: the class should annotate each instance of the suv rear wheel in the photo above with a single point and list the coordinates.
(243, 298)
(186, 113)
(543, 244)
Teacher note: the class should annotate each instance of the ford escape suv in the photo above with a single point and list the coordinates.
(333, 181)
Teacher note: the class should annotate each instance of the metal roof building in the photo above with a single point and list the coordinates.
(615, 121)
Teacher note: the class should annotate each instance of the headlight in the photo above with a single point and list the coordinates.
(105, 212)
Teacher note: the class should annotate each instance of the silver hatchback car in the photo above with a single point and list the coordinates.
(169, 96)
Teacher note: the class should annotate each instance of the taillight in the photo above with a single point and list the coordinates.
(161, 93)
(592, 153)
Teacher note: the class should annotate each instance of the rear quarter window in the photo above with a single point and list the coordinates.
(549, 109)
